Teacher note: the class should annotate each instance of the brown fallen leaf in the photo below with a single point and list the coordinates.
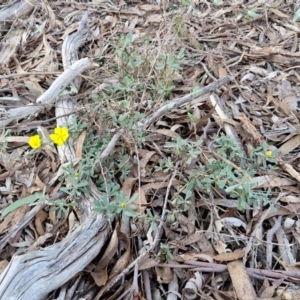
(120, 264)
(123, 261)
(128, 185)
(164, 275)
(40, 217)
(147, 263)
(100, 277)
(13, 218)
(290, 145)
(110, 251)
(269, 291)
(79, 146)
(140, 203)
(241, 281)
(229, 256)
(287, 95)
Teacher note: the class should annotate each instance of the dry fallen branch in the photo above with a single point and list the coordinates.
(160, 112)
(289, 169)
(39, 272)
(202, 266)
(104, 155)
(49, 97)
(19, 8)
(179, 101)
(66, 104)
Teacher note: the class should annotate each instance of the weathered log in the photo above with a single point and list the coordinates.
(49, 97)
(34, 274)
(17, 9)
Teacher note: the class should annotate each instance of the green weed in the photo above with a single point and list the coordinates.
(114, 202)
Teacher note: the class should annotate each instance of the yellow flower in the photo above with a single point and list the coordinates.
(123, 205)
(269, 154)
(60, 135)
(35, 141)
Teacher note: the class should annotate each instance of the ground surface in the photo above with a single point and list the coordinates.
(200, 197)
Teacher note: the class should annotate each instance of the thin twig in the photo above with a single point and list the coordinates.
(214, 267)
(216, 155)
(162, 219)
(28, 74)
(270, 234)
(108, 149)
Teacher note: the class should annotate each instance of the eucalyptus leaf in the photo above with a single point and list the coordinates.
(232, 188)
(20, 202)
(297, 15)
(253, 14)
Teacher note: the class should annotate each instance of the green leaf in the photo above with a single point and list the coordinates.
(221, 183)
(192, 118)
(129, 213)
(252, 14)
(128, 40)
(231, 188)
(20, 202)
(181, 53)
(297, 15)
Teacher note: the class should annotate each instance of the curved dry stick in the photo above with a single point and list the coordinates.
(202, 266)
(65, 105)
(49, 97)
(179, 101)
(270, 235)
(17, 9)
(160, 112)
(105, 153)
(36, 273)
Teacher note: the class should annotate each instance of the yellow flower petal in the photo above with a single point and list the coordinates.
(269, 154)
(60, 135)
(64, 133)
(35, 141)
(57, 130)
(56, 139)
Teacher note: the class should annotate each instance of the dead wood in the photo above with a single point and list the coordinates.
(13, 13)
(48, 98)
(37, 273)
(16, 10)
(10, 45)
(185, 99)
